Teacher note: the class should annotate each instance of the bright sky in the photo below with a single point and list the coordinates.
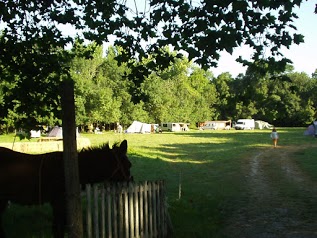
(304, 56)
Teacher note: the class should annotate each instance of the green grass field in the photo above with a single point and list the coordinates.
(202, 170)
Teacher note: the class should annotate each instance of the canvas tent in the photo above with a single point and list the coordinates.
(139, 127)
(310, 131)
(262, 125)
(58, 132)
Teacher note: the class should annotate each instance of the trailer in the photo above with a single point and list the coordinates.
(245, 124)
(216, 125)
(174, 126)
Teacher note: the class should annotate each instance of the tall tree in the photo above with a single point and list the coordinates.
(205, 95)
(223, 86)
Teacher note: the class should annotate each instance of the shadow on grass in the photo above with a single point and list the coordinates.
(201, 177)
(202, 173)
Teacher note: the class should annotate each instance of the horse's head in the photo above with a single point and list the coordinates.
(122, 171)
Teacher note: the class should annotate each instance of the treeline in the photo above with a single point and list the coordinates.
(106, 92)
(184, 92)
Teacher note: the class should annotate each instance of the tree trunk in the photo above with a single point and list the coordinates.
(73, 201)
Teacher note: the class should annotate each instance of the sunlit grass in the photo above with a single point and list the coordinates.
(205, 164)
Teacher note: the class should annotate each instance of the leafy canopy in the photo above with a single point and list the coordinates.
(32, 39)
(201, 28)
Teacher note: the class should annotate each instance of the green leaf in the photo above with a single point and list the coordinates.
(298, 38)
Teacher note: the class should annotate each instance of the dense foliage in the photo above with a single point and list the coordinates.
(33, 61)
(185, 92)
(182, 92)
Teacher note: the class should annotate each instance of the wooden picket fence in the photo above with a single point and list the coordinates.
(127, 210)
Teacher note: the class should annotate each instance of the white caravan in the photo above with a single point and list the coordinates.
(216, 125)
(245, 124)
(175, 126)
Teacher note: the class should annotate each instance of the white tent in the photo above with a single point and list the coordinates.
(35, 134)
(58, 132)
(262, 125)
(139, 127)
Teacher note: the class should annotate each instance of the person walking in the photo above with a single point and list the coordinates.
(274, 136)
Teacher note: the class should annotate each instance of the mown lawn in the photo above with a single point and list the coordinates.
(202, 170)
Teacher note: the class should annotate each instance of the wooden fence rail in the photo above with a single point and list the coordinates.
(127, 210)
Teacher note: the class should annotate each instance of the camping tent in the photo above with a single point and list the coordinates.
(310, 131)
(262, 125)
(35, 134)
(58, 132)
(139, 127)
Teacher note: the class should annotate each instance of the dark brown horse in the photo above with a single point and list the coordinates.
(36, 179)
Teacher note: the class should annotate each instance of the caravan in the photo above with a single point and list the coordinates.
(245, 124)
(172, 127)
(216, 125)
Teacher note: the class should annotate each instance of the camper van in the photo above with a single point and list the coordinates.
(169, 126)
(245, 124)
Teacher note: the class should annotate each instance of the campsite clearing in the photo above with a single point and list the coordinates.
(209, 182)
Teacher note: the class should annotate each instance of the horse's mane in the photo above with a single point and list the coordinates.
(101, 148)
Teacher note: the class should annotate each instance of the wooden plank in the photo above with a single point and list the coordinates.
(159, 211)
(103, 214)
(154, 198)
(165, 218)
(141, 205)
(108, 210)
(150, 205)
(162, 209)
(131, 210)
(88, 217)
(95, 211)
(136, 190)
(115, 200)
(121, 212)
(146, 210)
(126, 211)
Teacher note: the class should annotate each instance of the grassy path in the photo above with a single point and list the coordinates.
(280, 200)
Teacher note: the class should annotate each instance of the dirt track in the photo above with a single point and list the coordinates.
(281, 201)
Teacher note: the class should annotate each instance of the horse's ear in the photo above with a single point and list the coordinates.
(124, 146)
